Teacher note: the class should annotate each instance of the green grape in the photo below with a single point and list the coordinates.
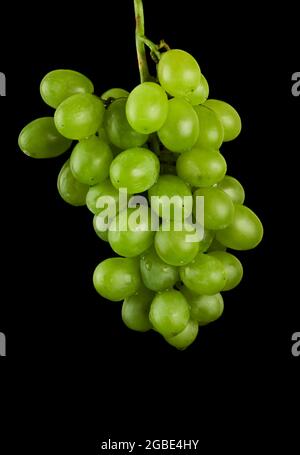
(233, 188)
(233, 268)
(204, 275)
(169, 313)
(114, 93)
(211, 132)
(103, 235)
(136, 169)
(79, 116)
(201, 167)
(102, 134)
(71, 191)
(135, 311)
(103, 189)
(147, 108)
(130, 234)
(181, 128)
(171, 191)
(40, 139)
(117, 278)
(216, 246)
(218, 208)
(200, 94)
(204, 308)
(174, 246)
(59, 85)
(228, 116)
(244, 233)
(118, 130)
(90, 160)
(205, 243)
(178, 73)
(185, 338)
(156, 274)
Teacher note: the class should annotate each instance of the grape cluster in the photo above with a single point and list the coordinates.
(160, 140)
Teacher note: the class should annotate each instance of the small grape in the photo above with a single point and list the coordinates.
(201, 167)
(185, 338)
(90, 160)
(59, 85)
(40, 139)
(147, 108)
(233, 268)
(136, 169)
(156, 274)
(204, 275)
(118, 130)
(79, 116)
(178, 73)
(169, 313)
(135, 311)
(117, 278)
(71, 191)
(244, 233)
(228, 116)
(181, 128)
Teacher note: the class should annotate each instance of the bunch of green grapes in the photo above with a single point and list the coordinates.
(161, 140)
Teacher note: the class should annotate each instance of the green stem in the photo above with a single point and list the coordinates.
(140, 45)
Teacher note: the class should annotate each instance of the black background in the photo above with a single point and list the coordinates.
(49, 309)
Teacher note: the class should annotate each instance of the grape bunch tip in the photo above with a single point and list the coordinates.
(141, 162)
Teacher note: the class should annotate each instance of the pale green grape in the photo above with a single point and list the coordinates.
(218, 208)
(130, 233)
(211, 132)
(90, 160)
(117, 278)
(118, 130)
(181, 128)
(178, 73)
(147, 108)
(233, 188)
(135, 311)
(174, 246)
(102, 189)
(171, 191)
(200, 94)
(103, 235)
(114, 93)
(40, 139)
(204, 308)
(228, 116)
(71, 191)
(244, 233)
(169, 313)
(156, 274)
(201, 167)
(136, 169)
(204, 275)
(79, 116)
(185, 338)
(59, 85)
(233, 268)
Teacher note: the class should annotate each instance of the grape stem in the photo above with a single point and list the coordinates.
(141, 41)
(140, 44)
